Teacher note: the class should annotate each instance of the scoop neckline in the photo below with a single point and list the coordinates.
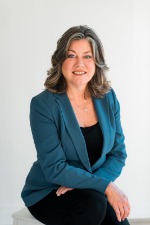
(90, 126)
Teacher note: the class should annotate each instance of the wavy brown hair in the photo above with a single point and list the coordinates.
(98, 85)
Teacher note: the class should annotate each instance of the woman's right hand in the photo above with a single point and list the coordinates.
(62, 190)
(118, 200)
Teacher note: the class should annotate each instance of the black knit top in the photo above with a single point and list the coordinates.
(94, 141)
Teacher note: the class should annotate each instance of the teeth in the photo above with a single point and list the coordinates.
(79, 72)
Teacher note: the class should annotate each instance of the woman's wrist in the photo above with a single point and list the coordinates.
(109, 189)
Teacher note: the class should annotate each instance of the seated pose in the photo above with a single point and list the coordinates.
(76, 128)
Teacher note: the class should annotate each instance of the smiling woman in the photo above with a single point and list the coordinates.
(79, 66)
(78, 136)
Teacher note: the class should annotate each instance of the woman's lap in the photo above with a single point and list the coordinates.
(82, 207)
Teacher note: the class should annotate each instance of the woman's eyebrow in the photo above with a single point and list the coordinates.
(88, 52)
(70, 50)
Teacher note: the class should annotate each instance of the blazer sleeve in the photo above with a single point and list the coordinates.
(115, 159)
(51, 155)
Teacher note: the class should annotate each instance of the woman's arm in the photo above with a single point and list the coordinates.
(115, 159)
(113, 165)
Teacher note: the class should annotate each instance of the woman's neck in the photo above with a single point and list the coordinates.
(78, 93)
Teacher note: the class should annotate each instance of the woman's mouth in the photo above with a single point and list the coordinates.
(79, 72)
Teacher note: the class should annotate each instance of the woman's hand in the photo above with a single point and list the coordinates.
(62, 190)
(118, 200)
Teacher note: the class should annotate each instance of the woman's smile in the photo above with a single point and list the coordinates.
(79, 72)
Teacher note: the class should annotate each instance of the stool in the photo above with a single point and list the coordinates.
(24, 217)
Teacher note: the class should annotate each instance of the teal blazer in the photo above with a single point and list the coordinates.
(62, 157)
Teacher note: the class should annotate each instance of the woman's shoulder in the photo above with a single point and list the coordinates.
(111, 98)
(111, 95)
(45, 97)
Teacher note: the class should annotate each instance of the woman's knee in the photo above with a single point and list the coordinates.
(95, 204)
(88, 207)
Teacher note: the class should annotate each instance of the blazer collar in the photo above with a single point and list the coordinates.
(74, 129)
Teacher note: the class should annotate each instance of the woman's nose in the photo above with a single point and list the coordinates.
(79, 62)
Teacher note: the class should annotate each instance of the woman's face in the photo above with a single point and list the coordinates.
(79, 66)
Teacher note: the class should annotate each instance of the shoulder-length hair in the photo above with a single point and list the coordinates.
(98, 85)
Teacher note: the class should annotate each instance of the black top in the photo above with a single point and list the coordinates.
(94, 141)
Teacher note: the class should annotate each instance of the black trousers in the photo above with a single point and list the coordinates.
(76, 207)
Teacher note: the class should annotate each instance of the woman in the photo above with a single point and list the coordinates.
(80, 147)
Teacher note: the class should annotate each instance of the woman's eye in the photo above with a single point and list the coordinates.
(87, 56)
(70, 56)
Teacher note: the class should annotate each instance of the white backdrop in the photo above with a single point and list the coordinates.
(28, 35)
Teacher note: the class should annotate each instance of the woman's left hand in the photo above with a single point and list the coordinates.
(118, 200)
(62, 190)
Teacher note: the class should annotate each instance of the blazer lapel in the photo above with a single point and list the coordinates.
(73, 128)
(102, 111)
